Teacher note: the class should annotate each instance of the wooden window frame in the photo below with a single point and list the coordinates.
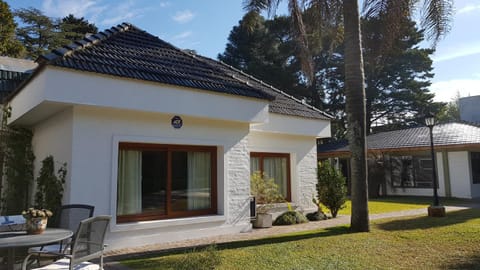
(475, 181)
(262, 155)
(168, 211)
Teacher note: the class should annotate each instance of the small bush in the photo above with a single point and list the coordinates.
(207, 259)
(316, 216)
(331, 187)
(265, 191)
(290, 218)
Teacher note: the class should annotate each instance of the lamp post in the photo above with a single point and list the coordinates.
(435, 210)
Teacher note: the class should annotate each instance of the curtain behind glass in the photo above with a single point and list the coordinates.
(129, 196)
(254, 165)
(276, 168)
(199, 178)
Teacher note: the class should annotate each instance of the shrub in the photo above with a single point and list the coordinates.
(50, 185)
(265, 191)
(290, 218)
(331, 187)
(315, 216)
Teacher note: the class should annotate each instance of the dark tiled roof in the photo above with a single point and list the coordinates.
(130, 52)
(447, 134)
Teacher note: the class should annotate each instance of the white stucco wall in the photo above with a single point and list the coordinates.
(55, 88)
(402, 191)
(303, 161)
(53, 136)
(460, 178)
(96, 134)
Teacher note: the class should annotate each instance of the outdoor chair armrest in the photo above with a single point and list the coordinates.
(39, 253)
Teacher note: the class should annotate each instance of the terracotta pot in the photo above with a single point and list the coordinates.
(36, 225)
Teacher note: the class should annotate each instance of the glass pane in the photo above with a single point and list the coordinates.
(191, 181)
(475, 167)
(276, 168)
(129, 190)
(254, 164)
(154, 181)
(423, 172)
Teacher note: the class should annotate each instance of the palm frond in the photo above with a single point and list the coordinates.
(436, 18)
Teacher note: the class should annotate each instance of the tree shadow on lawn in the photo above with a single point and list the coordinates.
(236, 244)
(472, 262)
(426, 222)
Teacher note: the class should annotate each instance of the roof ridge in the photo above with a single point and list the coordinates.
(275, 89)
(87, 41)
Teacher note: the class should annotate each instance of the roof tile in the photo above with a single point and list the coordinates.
(128, 51)
(447, 134)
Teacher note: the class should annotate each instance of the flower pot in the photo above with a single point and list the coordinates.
(36, 225)
(263, 220)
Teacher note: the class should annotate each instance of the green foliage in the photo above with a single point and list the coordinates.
(315, 216)
(207, 259)
(38, 33)
(331, 187)
(265, 191)
(50, 185)
(74, 28)
(9, 46)
(451, 111)
(17, 158)
(290, 218)
(397, 79)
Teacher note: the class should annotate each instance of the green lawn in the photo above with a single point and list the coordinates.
(418, 242)
(392, 204)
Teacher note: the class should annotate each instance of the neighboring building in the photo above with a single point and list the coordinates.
(470, 109)
(400, 161)
(12, 72)
(164, 140)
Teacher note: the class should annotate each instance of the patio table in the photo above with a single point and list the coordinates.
(16, 239)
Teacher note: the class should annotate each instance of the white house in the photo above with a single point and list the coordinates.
(401, 163)
(164, 140)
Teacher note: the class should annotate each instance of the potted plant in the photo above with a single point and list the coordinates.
(266, 193)
(36, 220)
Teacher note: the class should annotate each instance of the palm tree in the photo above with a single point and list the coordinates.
(435, 21)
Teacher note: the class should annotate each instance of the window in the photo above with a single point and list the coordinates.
(411, 171)
(273, 165)
(475, 160)
(165, 181)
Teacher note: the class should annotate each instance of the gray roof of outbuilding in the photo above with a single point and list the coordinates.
(127, 51)
(447, 134)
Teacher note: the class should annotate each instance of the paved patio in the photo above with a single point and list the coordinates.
(112, 257)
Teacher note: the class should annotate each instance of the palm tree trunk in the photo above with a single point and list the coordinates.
(355, 110)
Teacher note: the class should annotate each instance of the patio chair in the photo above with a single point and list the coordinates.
(88, 244)
(68, 218)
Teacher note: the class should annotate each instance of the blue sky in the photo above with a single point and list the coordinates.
(204, 25)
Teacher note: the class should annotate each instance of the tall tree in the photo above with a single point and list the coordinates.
(435, 21)
(74, 28)
(9, 46)
(39, 33)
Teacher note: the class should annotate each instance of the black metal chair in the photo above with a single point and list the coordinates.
(87, 244)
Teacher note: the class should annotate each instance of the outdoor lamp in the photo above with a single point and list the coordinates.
(435, 210)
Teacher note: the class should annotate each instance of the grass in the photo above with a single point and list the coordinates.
(393, 204)
(403, 243)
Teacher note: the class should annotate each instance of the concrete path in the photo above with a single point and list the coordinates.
(112, 257)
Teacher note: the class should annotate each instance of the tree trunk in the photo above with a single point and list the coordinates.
(355, 110)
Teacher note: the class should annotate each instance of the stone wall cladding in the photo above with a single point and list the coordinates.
(238, 183)
(307, 179)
